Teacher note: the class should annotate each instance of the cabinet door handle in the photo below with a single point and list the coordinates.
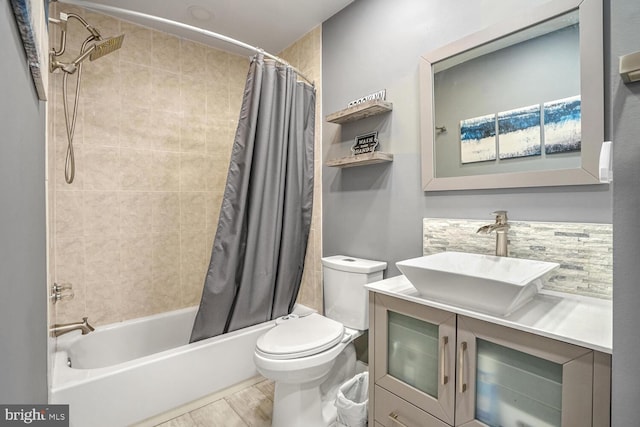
(394, 419)
(463, 350)
(444, 378)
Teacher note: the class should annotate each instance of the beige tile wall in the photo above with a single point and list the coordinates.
(155, 126)
(306, 55)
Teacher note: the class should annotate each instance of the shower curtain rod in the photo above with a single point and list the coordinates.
(117, 10)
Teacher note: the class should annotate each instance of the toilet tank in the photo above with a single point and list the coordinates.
(345, 298)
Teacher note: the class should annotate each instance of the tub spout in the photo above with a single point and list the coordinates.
(83, 326)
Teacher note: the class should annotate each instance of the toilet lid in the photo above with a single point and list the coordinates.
(300, 336)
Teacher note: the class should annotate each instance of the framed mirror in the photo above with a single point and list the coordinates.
(519, 104)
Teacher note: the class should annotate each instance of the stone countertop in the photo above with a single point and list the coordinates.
(575, 319)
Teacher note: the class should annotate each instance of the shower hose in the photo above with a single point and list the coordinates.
(70, 122)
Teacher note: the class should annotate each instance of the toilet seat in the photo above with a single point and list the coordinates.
(296, 337)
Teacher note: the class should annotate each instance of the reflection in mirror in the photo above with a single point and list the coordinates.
(520, 77)
(516, 105)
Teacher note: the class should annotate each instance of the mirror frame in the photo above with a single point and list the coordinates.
(590, 17)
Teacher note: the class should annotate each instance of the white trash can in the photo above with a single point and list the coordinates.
(352, 402)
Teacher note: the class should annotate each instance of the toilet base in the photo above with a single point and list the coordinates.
(312, 404)
(296, 405)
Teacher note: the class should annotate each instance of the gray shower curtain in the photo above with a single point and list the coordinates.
(259, 249)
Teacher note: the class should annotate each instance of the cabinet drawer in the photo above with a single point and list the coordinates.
(386, 404)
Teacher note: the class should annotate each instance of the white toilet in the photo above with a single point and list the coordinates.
(309, 355)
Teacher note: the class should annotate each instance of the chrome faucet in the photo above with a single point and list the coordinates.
(84, 326)
(500, 227)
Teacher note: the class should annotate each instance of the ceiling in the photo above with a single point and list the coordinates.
(271, 25)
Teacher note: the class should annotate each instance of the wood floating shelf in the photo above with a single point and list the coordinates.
(361, 160)
(360, 111)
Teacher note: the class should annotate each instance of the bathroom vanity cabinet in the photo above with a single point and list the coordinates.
(434, 367)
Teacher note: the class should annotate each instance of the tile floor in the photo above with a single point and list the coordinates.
(250, 407)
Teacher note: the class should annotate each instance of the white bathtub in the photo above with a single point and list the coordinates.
(129, 371)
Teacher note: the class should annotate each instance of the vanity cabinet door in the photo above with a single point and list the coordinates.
(512, 378)
(415, 354)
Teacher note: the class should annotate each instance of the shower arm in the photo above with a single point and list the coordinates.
(62, 23)
(70, 67)
(63, 36)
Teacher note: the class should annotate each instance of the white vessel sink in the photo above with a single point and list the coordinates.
(491, 284)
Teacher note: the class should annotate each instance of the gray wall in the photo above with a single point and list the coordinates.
(23, 331)
(376, 211)
(625, 128)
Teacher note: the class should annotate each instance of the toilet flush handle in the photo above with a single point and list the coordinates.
(292, 316)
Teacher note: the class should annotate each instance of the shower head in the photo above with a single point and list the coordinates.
(97, 50)
(105, 47)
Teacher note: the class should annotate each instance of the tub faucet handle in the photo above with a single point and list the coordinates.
(61, 291)
(62, 287)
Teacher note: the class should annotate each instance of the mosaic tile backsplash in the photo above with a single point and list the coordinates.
(584, 251)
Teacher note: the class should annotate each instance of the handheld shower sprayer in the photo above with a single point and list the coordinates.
(99, 48)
